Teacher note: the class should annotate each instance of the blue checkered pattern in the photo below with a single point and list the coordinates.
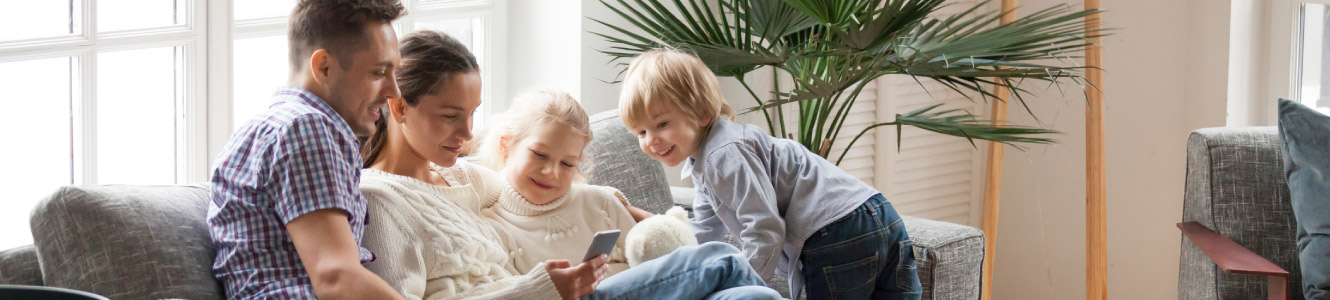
(297, 157)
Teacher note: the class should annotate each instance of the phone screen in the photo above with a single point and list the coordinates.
(603, 243)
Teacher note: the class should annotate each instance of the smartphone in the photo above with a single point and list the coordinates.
(603, 243)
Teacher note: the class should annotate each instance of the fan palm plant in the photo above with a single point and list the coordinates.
(832, 49)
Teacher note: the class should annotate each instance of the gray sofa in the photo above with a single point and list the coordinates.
(1236, 188)
(151, 242)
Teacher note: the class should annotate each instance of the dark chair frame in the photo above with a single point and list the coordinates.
(45, 292)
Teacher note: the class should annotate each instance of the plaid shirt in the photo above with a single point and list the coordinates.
(297, 157)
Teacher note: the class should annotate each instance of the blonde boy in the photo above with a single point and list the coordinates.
(791, 209)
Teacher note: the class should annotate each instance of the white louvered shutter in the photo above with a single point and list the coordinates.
(933, 176)
(861, 161)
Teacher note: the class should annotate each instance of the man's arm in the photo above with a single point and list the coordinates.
(329, 253)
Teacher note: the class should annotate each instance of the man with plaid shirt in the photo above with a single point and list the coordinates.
(286, 213)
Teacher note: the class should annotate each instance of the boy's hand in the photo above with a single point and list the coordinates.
(576, 281)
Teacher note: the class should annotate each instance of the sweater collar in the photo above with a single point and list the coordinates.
(513, 201)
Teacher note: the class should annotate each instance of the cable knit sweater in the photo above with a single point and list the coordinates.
(431, 243)
(563, 228)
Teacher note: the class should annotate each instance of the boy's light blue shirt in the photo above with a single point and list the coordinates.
(772, 193)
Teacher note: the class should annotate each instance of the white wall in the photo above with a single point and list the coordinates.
(543, 48)
(1165, 75)
(1249, 63)
(599, 94)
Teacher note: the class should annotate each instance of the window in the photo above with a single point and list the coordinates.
(148, 92)
(1282, 42)
(260, 52)
(111, 101)
(1312, 64)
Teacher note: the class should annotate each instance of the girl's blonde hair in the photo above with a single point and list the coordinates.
(678, 79)
(527, 111)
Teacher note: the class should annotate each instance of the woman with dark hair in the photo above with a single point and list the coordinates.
(431, 242)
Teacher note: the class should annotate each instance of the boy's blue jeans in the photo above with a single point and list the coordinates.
(712, 270)
(864, 255)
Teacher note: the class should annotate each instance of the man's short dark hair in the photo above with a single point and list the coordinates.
(335, 25)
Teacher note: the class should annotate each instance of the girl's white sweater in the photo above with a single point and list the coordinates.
(563, 228)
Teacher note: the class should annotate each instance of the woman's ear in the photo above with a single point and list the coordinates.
(397, 108)
(503, 148)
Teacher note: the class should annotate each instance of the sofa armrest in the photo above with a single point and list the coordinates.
(1233, 258)
(949, 257)
(19, 266)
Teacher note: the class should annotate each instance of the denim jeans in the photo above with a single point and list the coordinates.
(712, 270)
(864, 255)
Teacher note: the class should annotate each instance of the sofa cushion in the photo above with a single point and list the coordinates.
(1305, 133)
(617, 161)
(19, 266)
(127, 242)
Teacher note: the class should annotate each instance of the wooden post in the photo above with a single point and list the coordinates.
(1096, 230)
(993, 175)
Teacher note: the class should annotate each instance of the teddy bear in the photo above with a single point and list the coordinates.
(658, 235)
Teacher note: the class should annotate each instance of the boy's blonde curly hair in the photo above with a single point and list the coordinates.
(673, 78)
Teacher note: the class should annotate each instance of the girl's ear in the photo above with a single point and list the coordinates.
(704, 122)
(503, 148)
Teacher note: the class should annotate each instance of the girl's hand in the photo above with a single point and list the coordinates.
(637, 213)
(573, 282)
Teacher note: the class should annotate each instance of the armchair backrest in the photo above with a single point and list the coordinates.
(1236, 187)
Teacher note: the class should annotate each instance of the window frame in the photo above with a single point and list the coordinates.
(191, 163)
(1282, 28)
(222, 33)
(206, 36)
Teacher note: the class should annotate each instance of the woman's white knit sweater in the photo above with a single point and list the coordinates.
(563, 228)
(430, 242)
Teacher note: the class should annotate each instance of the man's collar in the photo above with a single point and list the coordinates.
(293, 93)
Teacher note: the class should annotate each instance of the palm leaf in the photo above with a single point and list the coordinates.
(832, 48)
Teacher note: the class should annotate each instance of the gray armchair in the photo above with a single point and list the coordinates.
(949, 257)
(1238, 227)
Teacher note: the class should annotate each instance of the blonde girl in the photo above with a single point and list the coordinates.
(537, 147)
